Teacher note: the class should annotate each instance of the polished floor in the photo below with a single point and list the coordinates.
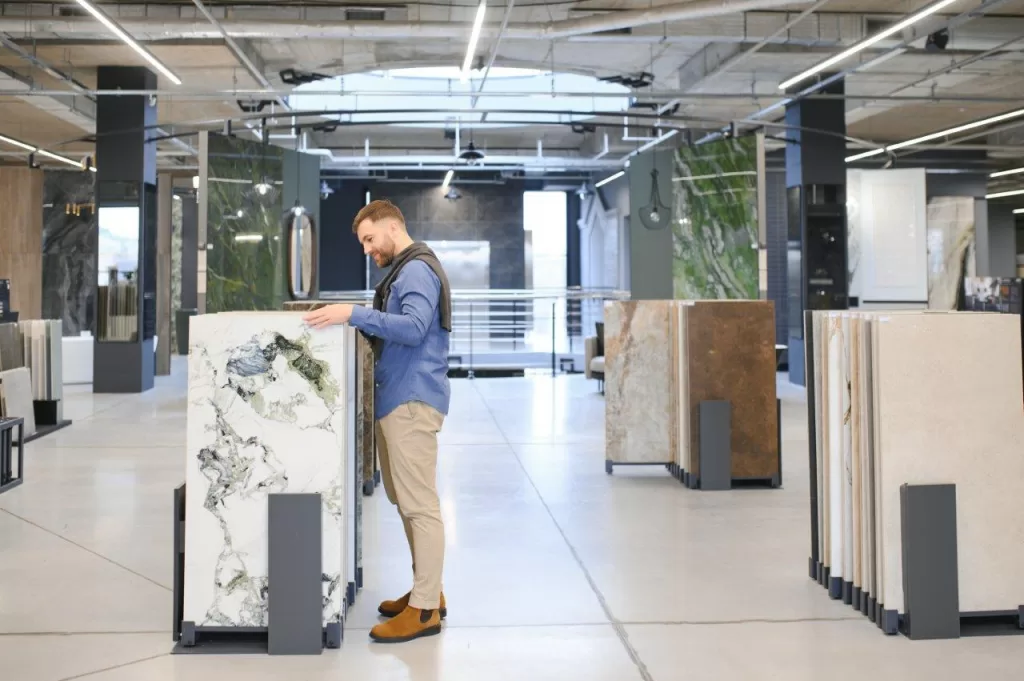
(554, 569)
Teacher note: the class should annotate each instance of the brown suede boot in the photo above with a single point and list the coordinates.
(411, 623)
(394, 608)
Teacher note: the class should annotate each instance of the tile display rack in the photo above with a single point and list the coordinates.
(930, 580)
(47, 421)
(715, 452)
(9, 478)
(295, 624)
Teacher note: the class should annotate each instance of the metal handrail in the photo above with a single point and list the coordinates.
(518, 328)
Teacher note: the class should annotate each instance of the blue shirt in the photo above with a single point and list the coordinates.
(413, 366)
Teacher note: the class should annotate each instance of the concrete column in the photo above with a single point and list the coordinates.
(126, 200)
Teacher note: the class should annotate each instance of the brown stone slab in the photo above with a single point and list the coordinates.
(731, 356)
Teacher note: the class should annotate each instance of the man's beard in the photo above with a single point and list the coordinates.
(386, 260)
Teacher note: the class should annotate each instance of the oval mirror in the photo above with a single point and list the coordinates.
(301, 255)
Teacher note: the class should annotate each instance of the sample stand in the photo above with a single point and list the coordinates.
(931, 602)
(714, 420)
(294, 592)
(8, 478)
(47, 418)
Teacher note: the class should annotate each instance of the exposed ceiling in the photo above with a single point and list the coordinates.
(711, 61)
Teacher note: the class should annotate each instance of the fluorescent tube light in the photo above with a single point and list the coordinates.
(1000, 195)
(58, 157)
(112, 26)
(941, 133)
(608, 179)
(251, 238)
(1018, 211)
(474, 37)
(16, 143)
(867, 42)
(1004, 173)
(447, 180)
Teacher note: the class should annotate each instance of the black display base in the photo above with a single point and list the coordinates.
(872, 608)
(368, 488)
(812, 569)
(609, 464)
(350, 593)
(835, 588)
(856, 595)
(9, 479)
(297, 555)
(46, 411)
(43, 431)
(848, 593)
(359, 578)
(715, 451)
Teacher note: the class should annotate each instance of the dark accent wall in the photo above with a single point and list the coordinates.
(650, 250)
(486, 212)
(69, 249)
(342, 261)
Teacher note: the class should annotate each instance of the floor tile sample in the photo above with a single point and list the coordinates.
(638, 382)
(731, 356)
(267, 413)
(947, 414)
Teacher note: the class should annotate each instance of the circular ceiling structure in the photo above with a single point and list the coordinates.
(436, 97)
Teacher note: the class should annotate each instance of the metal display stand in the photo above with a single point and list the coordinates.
(714, 436)
(9, 478)
(294, 599)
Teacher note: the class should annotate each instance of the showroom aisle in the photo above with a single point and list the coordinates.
(555, 570)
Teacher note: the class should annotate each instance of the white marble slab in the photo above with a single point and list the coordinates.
(267, 413)
(951, 248)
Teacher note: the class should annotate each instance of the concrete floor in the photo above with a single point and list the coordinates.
(554, 569)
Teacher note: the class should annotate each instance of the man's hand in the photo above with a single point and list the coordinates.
(339, 313)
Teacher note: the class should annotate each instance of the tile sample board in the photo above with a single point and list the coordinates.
(959, 422)
(16, 385)
(12, 347)
(267, 413)
(638, 382)
(912, 416)
(730, 355)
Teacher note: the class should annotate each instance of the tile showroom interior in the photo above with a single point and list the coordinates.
(554, 569)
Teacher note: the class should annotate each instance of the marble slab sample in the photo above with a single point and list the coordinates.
(267, 413)
(12, 347)
(941, 420)
(731, 356)
(638, 382)
(16, 385)
(951, 248)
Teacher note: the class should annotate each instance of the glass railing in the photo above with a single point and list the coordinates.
(514, 329)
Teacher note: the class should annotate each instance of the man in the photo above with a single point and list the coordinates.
(409, 327)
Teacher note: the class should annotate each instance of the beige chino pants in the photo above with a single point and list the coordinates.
(407, 448)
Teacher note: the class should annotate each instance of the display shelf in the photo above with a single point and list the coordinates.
(9, 476)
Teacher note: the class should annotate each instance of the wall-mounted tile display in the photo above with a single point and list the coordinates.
(245, 216)
(951, 249)
(69, 249)
(268, 412)
(714, 221)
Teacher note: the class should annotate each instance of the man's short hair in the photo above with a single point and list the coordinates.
(377, 210)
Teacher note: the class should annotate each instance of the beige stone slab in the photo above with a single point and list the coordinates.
(948, 410)
(681, 391)
(638, 382)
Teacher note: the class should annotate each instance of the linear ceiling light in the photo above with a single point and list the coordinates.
(1004, 173)
(1002, 195)
(1018, 211)
(474, 37)
(42, 152)
(867, 42)
(447, 180)
(608, 179)
(941, 133)
(128, 40)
